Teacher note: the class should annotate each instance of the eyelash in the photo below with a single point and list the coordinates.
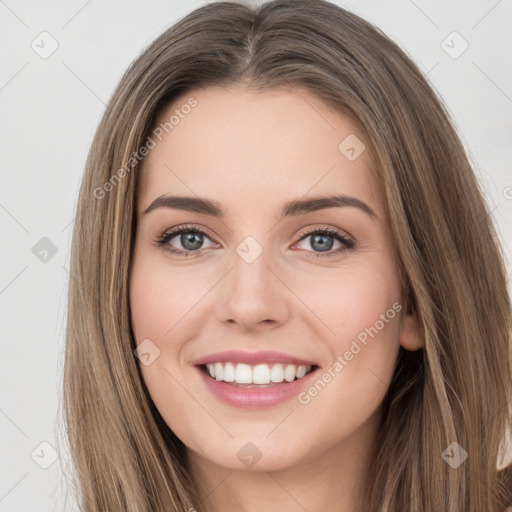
(163, 240)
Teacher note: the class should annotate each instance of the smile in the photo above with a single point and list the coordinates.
(256, 375)
(259, 386)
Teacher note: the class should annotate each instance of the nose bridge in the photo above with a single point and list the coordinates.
(251, 265)
(251, 274)
(252, 293)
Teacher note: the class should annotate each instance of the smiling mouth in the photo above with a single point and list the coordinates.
(256, 376)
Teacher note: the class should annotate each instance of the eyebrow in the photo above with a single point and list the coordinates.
(292, 208)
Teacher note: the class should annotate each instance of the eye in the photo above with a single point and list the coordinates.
(190, 239)
(321, 241)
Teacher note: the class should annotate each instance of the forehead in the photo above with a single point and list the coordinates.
(238, 145)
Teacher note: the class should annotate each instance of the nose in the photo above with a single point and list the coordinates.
(253, 296)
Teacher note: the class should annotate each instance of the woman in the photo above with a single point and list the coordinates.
(286, 289)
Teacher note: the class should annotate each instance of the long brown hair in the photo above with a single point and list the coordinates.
(457, 389)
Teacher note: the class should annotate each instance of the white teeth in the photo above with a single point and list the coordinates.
(290, 372)
(243, 373)
(260, 374)
(301, 371)
(277, 373)
(229, 372)
(219, 371)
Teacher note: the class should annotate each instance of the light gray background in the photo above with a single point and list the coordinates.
(50, 109)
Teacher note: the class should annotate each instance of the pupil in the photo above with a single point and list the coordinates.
(323, 245)
(187, 240)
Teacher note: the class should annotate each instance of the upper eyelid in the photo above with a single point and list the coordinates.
(304, 232)
(173, 232)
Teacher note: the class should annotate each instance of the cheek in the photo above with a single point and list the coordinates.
(360, 310)
(159, 303)
(161, 300)
(149, 302)
(351, 300)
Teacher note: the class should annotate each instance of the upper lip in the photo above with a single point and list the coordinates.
(252, 358)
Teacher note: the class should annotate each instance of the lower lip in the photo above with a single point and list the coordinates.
(255, 397)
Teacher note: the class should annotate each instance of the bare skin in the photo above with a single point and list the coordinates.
(252, 152)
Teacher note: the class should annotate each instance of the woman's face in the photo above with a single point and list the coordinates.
(265, 293)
